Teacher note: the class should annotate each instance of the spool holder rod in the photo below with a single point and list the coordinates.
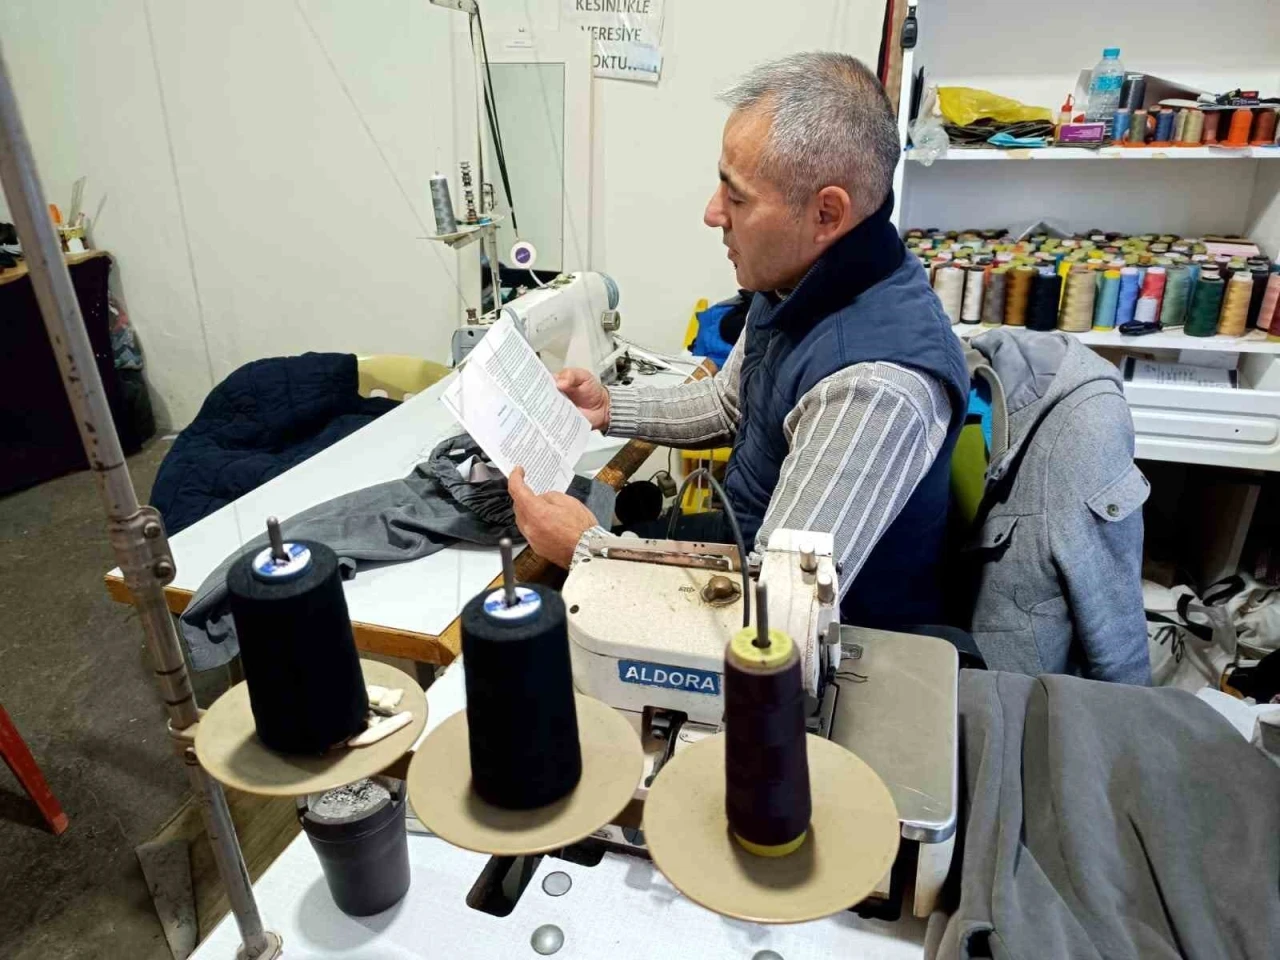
(508, 573)
(277, 541)
(136, 532)
(762, 617)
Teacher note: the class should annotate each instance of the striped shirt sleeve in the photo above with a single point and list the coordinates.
(860, 441)
(701, 413)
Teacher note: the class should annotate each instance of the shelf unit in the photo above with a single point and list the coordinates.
(1212, 190)
(1103, 153)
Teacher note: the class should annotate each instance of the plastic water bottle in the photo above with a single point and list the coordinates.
(1104, 87)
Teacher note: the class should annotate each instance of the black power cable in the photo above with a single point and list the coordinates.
(495, 129)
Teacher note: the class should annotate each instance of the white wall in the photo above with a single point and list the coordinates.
(299, 237)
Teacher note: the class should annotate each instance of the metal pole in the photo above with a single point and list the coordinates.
(136, 532)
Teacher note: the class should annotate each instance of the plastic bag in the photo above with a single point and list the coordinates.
(928, 138)
(963, 105)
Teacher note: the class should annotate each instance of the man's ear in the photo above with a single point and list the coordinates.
(835, 214)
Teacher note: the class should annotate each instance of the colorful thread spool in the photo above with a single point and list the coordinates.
(1206, 304)
(1177, 290)
(1164, 126)
(948, 284)
(1212, 119)
(1241, 124)
(974, 279)
(1153, 284)
(1260, 273)
(1137, 128)
(1015, 310)
(1104, 314)
(1270, 302)
(1235, 305)
(767, 799)
(1128, 300)
(994, 300)
(1078, 304)
(1120, 125)
(1264, 128)
(1046, 294)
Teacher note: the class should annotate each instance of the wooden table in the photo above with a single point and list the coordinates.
(405, 610)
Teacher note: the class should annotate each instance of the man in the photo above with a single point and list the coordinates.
(844, 394)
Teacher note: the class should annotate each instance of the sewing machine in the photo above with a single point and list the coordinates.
(648, 623)
(570, 322)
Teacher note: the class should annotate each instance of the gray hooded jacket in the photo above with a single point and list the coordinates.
(1058, 556)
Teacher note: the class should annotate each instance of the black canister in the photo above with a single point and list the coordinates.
(358, 833)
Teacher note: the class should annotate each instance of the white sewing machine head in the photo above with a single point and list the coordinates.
(649, 619)
(570, 322)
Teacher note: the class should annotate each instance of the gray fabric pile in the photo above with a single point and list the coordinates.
(1109, 821)
(432, 508)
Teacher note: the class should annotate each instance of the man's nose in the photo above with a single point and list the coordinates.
(714, 215)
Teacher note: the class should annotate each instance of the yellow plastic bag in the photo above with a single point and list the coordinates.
(963, 105)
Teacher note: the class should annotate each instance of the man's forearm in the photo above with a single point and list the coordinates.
(703, 413)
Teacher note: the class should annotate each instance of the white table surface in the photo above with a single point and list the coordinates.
(421, 596)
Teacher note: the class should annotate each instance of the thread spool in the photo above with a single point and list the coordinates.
(1077, 308)
(306, 689)
(1127, 301)
(1270, 302)
(1104, 314)
(442, 205)
(1015, 309)
(1259, 273)
(1164, 126)
(1264, 128)
(1206, 304)
(971, 309)
(1042, 311)
(1120, 125)
(1241, 124)
(1177, 290)
(521, 719)
(948, 284)
(767, 799)
(1153, 282)
(1193, 132)
(994, 300)
(1235, 305)
(1180, 126)
(1212, 119)
(1146, 310)
(1137, 128)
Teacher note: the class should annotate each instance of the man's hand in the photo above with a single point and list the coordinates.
(552, 523)
(587, 394)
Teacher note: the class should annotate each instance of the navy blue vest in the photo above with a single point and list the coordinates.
(865, 300)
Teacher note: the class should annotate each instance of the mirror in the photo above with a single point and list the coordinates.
(530, 103)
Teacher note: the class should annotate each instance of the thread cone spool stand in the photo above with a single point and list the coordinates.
(275, 734)
(499, 778)
(698, 807)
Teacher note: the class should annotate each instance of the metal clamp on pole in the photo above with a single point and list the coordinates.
(136, 532)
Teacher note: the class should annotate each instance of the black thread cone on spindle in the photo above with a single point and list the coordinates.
(306, 689)
(521, 718)
(767, 797)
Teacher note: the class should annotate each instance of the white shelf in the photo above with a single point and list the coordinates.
(1255, 341)
(1106, 153)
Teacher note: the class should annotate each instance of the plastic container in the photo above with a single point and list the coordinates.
(1104, 87)
(362, 844)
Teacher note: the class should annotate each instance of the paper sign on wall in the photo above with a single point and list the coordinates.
(626, 36)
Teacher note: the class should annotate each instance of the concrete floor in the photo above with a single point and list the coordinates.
(74, 677)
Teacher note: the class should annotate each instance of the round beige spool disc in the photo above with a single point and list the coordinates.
(852, 841)
(441, 796)
(228, 747)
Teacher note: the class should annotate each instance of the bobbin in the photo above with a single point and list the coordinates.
(440, 783)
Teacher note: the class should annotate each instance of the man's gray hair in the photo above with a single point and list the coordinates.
(832, 125)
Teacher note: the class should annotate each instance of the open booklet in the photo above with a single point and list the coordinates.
(508, 401)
